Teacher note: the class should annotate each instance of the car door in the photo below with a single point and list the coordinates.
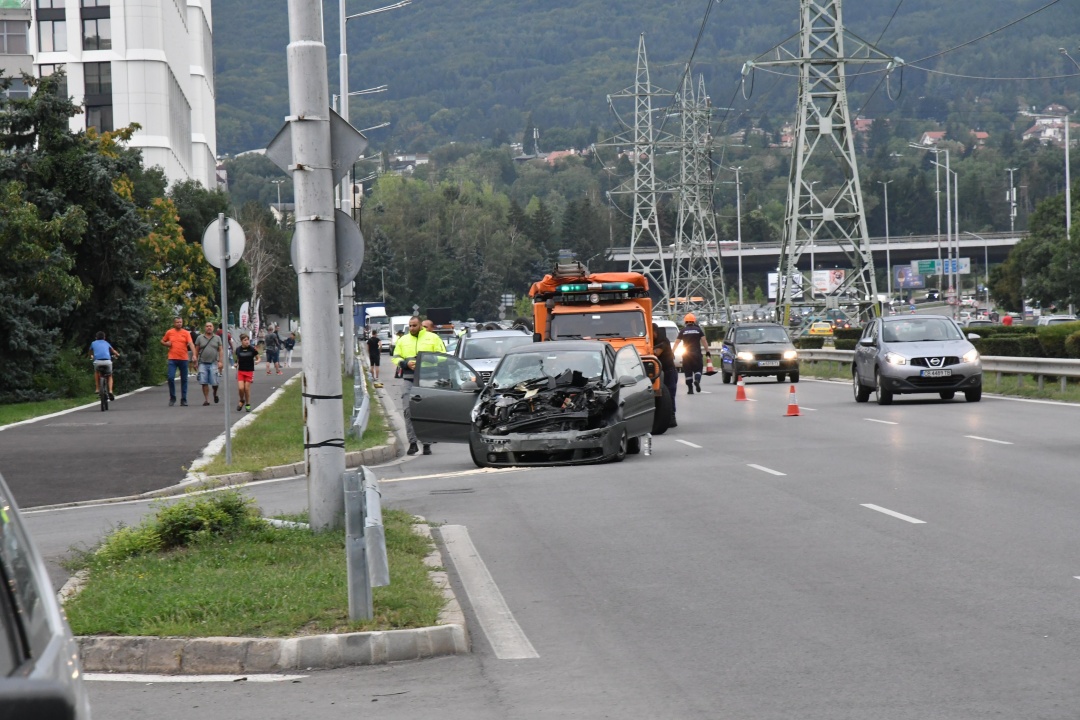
(442, 397)
(637, 399)
(727, 349)
(866, 351)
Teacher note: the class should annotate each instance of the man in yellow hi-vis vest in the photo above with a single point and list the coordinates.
(405, 349)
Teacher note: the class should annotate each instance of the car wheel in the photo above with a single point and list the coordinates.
(794, 376)
(884, 397)
(663, 412)
(973, 395)
(862, 393)
(725, 377)
(633, 446)
(947, 395)
(620, 454)
(780, 377)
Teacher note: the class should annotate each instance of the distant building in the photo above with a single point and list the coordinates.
(149, 62)
(932, 138)
(15, 57)
(406, 163)
(1049, 126)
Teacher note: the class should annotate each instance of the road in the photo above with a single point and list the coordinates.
(910, 561)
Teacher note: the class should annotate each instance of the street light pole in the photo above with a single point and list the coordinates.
(986, 267)
(888, 260)
(281, 220)
(1012, 200)
(738, 228)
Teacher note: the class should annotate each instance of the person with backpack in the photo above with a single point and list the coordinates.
(273, 349)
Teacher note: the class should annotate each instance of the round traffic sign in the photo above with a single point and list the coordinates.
(213, 247)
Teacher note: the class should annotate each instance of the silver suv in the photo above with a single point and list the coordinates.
(904, 354)
(483, 349)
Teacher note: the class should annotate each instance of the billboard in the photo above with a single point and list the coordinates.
(905, 278)
(828, 281)
(797, 285)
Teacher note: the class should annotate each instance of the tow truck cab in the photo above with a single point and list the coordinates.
(573, 304)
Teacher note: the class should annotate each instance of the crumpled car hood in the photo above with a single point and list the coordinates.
(568, 402)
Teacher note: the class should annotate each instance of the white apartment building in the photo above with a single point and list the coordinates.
(149, 62)
(15, 57)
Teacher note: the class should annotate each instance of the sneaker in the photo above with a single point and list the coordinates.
(427, 449)
(278, 372)
(412, 449)
(172, 401)
(112, 397)
(183, 403)
(247, 408)
(267, 371)
(215, 399)
(239, 407)
(205, 403)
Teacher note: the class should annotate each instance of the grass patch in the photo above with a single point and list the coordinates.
(244, 579)
(17, 412)
(276, 437)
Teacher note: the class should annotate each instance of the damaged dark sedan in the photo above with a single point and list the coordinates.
(547, 403)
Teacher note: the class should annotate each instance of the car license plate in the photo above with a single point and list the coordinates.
(936, 373)
(768, 363)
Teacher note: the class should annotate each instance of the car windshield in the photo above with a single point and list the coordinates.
(921, 330)
(492, 347)
(761, 335)
(580, 326)
(521, 368)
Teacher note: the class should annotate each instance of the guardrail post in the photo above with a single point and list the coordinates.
(360, 607)
(374, 532)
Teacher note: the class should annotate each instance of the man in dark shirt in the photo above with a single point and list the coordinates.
(374, 355)
(666, 355)
(692, 338)
(246, 357)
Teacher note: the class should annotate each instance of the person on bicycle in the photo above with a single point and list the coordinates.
(103, 353)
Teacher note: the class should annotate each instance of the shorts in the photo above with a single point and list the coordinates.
(245, 376)
(208, 374)
(272, 356)
(374, 358)
(103, 367)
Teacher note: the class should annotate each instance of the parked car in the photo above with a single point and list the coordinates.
(1055, 319)
(756, 349)
(484, 349)
(915, 354)
(978, 322)
(40, 674)
(550, 403)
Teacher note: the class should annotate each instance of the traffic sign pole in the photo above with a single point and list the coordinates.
(223, 229)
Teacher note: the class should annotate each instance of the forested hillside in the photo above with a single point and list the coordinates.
(478, 69)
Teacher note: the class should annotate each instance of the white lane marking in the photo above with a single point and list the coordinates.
(461, 473)
(989, 440)
(137, 678)
(810, 409)
(905, 518)
(883, 422)
(684, 442)
(762, 468)
(504, 634)
(50, 416)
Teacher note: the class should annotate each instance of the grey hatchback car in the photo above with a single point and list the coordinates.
(904, 354)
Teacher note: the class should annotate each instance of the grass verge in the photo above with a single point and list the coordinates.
(18, 412)
(276, 437)
(244, 579)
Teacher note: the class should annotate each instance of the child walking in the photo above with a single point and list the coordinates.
(246, 357)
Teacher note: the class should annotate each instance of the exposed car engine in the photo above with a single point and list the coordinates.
(569, 402)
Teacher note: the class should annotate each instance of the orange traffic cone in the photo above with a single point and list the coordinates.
(793, 404)
(740, 390)
(709, 369)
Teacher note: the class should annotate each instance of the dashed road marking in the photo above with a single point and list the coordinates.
(762, 468)
(883, 422)
(686, 442)
(989, 440)
(905, 518)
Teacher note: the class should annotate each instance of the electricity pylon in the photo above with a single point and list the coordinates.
(824, 149)
(646, 250)
(697, 271)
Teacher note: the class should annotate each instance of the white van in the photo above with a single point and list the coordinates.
(398, 322)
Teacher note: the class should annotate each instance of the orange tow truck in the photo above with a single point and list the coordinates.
(573, 304)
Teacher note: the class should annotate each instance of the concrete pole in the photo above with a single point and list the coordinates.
(348, 331)
(313, 186)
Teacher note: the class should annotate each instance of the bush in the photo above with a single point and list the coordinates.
(1072, 345)
(1052, 338)
(127, 542)
(192, 519)
(1014, 345)
(845, 343)
(847, 334)
(809, 343)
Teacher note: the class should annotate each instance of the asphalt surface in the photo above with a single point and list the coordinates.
(140, 444)
(905, 562)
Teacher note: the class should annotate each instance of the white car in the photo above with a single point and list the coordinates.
(1056, 319)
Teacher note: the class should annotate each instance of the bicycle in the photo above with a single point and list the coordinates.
(104, 371)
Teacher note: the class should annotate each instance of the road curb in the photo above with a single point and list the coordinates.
(232, 655)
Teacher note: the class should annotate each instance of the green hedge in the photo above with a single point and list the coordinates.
(847, 334)
(1053, 337)
(846, 343)
(1072, 345)
(1010, 346)
(809, 343)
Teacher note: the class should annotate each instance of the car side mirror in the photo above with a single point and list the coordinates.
(868, 341)
(973, 336)
(627, 380)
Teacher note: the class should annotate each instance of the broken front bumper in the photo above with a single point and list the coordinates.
(569, 447)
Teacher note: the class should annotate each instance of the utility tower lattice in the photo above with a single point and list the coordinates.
(646, 250)
(824, 148)
(697, 271)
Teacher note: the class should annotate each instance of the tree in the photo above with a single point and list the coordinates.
(262, 256)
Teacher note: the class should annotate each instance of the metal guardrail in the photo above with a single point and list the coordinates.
(361, 401)
(365, 541)
(1061, 368)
